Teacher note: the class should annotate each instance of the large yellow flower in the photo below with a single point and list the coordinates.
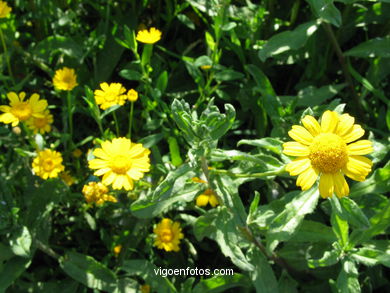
(97, 192)
(328, 150)
(65, 79)
(120, 161)
(207, 197)
(110, 95)
(4, 9)
(41, 124)
(168, 235)
(150, 36)
(48, 164)
(21, 110)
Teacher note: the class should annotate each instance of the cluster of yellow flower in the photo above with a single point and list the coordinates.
(113, 94)
(96, 192)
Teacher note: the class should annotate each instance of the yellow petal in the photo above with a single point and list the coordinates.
(293, 148)
(355, 133)
(108, 178)
(300, 134)
(100, 153)
(311, 124)
(345, 124)
(97, 164)
(118, 182)
(298, 166)
(329, 121)
(359, 166)
(202, 200)
(326, 185)
(361, 147)
(306, 179)
(341, 187)
(13, 98)
(213, 200)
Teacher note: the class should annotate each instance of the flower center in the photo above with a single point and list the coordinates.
(67, 79)
(22, 110)
(48, 165)
(166, 235)
(328, 153)
(120, 164)
(40, 122)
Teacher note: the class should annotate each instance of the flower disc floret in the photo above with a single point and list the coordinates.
(48, 164)
(168, 235)
(110, 95)
(120, 161)
(150, 36)
(328, 149)
(41, 124)
(97, 193)
(65, 79)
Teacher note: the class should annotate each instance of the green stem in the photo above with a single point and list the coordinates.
(116, 123)
(131, 118)
(6, 55)
(253, 175)
(70, 115)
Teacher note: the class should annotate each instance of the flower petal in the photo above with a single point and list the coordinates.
(361, 147)
(202, 200)
(97, 164)
(13, 98)
(293, 148)
(311, 124)
(329, 121)
(357, 167)
(345, 124)
(306, 179)
(298, 166)
(300, 134)
(355, 133)
(341, 187)
(326, 185)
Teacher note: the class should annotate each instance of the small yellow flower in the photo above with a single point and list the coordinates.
(132, 95)
(198, 180)
(65, 79)
(110, 95)
(41, 124)
(205, 67)
(4, 9)
(145, 288)
(149, 37)
(77, 153)
(117, 250)
(21, 110)
(207, 197)
(328, 150)
(120, 161)
(97, 192)
(168, 235)
(48, 164)
(67, 178)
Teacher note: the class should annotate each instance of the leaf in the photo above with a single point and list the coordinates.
(340, 227)
(347, 280)
(174, 152)
(162, 81)
(150, 273)
(253, 208)
(202, 61)
(312, 96)
(272, 144)
(151, 140)
(11, 270)
(371, 255)
(326, 10)
(218, 284)
(379, 182)
(328, 259)
(378, 47)
(286, 223)
(228, 75)
(286, 284)
(186, 21)
(354, 214)
(288, 40)
(173, 189)
(310, 231)
(88, 271)
(130, 74)
(182, 116)
(21, 242)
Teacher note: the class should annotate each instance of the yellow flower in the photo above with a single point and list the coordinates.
(97, 192)
(168, 235)
(67, 178)
(110, 95)
(4, 9)
(197, 180)
(77, 153)
(145, 288)
(41, 124)
(117, 250)
(20, 110)
(149, 37)
(48, 164)
(207, 197)
(132, 95)
(120, 161)
(328, 150)
(65, 79)
(205, 67)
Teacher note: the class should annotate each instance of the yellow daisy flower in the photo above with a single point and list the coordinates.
(21, 110)
(48, 164)
(207, 197)
(150, 36)
(168, 235)
(120, 161)
(4, 9)
(41, 124)
(65, 79)
(97, 192)
(110, 95)
(67, 178)
(132, 95)
(328, 150)
(77, 153)
(117, 250)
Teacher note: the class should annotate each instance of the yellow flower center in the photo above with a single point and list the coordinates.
(48, 165)
(67, 79)
(328, 153)
(166, 235)
(120, 164)
(22, 110)
(40, 122)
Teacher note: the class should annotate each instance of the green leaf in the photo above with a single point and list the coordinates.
(228, 75)
(162, 81)
(286, 223)
(88, 271)
(379, 182)
(340, 226)
(262, 275)
(150, 273)
(174, 152)
(202, 61)
(151, 140)
(347, 280)
(371, 254)
(310, 231)
(286, 284)
(288, 40)
(272, 144)
(218, 284)
(378, 47)
(328, 259)
(130, 74)
(253, 208)
(312, 96)
(326, 10)
(186, 21)
(176, 187)
(21, 242)
(353, 213)
(182, 116)
(210, 41)
(130, 38)
(11, 270)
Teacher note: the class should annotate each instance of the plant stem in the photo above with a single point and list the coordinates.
(131, 119)
(70, 115)
(46, 249)
(253, 175)
(6, 56)
(116, 123)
